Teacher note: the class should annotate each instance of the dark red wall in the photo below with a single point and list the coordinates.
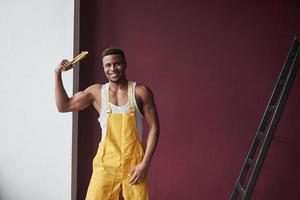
(212, 66)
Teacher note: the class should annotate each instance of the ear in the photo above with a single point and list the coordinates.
(125, 65)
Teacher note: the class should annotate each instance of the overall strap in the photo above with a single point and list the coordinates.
(130, 94)
(130, 97)
(108, 109)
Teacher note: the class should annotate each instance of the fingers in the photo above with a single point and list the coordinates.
(133, 174)
(140, 179)
(65, 65)
(136, 178)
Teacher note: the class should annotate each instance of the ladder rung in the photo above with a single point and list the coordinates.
(261, 135)
(272, 108)
(240, 189)
(281, 82)
(251, 162)
(293, 54)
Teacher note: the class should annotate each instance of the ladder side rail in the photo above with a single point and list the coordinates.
(283, 73)
(274, 96)
(263, 122)
(244, 171)
(275, 119)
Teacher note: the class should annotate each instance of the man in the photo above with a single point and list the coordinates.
(121, 164)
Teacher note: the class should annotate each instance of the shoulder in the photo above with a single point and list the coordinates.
(143, 92)
(94, 90)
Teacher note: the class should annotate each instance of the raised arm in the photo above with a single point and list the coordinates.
(79, 101)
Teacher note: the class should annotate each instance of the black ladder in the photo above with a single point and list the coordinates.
(268, 124)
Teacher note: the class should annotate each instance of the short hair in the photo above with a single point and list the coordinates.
(113, 51)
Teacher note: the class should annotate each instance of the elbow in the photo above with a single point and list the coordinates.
(155, 131)
(61, 109)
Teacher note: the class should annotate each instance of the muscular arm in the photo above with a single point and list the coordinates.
(151, 118)
(79, 101)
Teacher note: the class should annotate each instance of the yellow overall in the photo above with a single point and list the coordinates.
(117, 155)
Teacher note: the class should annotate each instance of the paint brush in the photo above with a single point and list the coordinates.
(79, 57)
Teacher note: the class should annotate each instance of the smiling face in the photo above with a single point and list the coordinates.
(114, 68)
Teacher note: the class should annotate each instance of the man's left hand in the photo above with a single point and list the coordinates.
(138, 173)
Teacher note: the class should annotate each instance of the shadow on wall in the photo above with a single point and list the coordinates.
(1, 192)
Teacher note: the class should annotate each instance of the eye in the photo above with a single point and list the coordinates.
(107, 65)
(117, 63)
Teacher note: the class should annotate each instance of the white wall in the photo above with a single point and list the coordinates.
(35, 140)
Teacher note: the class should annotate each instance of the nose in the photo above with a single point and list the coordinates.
(113, 67)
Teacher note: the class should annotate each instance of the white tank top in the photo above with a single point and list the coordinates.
(119, 109)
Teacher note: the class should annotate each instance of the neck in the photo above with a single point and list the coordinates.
(118, 85)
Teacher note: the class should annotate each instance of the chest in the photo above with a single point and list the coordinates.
(120, 98)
